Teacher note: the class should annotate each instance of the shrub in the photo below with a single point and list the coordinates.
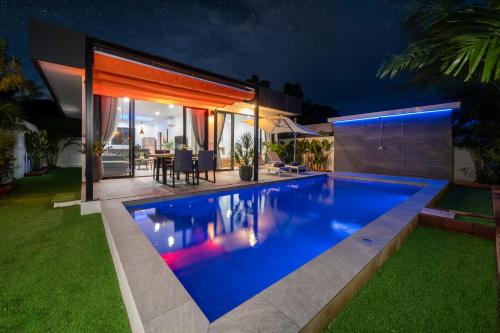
(7, 141)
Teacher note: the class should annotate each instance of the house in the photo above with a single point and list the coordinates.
(137, 103)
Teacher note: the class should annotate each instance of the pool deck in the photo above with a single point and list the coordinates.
(122, 188)
(305, 300)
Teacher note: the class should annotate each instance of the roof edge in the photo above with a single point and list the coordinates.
(432, 107)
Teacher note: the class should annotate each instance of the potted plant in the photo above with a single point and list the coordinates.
(243, 155)
(169, 145)
(97, 150)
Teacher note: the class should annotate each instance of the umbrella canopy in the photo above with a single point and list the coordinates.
(279, 124)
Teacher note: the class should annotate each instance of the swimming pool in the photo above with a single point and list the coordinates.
(226, 247)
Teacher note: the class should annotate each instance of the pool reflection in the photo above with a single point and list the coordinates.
(228, 246)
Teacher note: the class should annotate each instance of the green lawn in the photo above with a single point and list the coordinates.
(438, 281)
(56, 271)
(477, 201)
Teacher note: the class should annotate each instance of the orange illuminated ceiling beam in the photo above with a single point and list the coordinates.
(111, 64)
(129, 90)
(118, 91)
(153, 87)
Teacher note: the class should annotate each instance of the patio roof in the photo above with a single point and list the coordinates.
(118, 77)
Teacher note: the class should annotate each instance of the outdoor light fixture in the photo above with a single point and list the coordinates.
(126, 99)
(157, 113)
(171, 106)
(142, 130)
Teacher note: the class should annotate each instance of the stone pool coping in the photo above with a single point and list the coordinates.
(305, 300)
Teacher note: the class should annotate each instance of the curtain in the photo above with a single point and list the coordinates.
(198, 121)
(109, 117)
(220, 119)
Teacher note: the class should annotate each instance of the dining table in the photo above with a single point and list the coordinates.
(163, 158)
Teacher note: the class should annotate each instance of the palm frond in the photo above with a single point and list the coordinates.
(462, 43)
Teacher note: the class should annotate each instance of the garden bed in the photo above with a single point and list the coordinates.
(7, 188)
(464, 209)
(40, 172)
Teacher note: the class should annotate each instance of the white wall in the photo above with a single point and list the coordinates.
(71, 156)
(21, 166)
(20, 158)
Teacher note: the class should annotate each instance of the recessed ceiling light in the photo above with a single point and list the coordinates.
(157, 113)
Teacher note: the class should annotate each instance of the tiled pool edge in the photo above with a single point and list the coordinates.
(305, 300)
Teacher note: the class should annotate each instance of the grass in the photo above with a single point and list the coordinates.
(477, 201)
(66, 196)
(56, 270)
(437, 282)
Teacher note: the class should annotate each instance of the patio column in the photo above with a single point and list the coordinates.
(89, 121)
(256, 136)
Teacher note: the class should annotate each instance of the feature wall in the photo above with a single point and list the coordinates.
(412, 145)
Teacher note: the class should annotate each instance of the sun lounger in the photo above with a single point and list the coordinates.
(278, 168)
(294, 166)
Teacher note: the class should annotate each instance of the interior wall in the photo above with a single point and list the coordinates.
(417, 145)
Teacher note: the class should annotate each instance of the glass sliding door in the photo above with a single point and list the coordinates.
(224, 139)
(157, 127)
(114, 132)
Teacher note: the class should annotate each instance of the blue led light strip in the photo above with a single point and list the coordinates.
(393, 115)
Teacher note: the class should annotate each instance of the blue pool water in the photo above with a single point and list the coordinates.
(228, 246)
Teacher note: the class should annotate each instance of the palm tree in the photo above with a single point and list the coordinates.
(13, 83)
(456, 38)
(13, 87)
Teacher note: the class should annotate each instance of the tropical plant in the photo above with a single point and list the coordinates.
(60, 134)
(7, 141)
(459, 38)
(168, 145)
(320, 151)
(98, 147)
(13, 84)
(278, 148)
(36, 147)
(243, 150)
(313, 153)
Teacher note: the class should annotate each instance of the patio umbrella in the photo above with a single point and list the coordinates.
(280, 124)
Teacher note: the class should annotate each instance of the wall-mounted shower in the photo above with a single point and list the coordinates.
(380, 141)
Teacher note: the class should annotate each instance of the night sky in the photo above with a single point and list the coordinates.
(332, 48)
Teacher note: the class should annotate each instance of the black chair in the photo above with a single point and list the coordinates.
(206, 163)
(182, 163)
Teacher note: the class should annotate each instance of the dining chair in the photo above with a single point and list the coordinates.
(182, 163)
(205, 163)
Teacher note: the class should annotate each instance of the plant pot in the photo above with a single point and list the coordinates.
(98, 168)
(246, 172)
